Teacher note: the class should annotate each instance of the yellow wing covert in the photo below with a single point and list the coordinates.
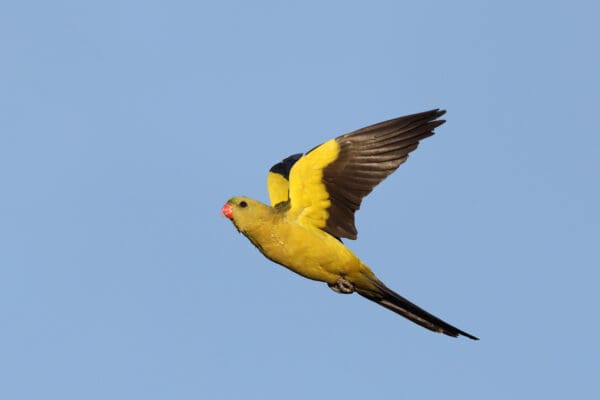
(309, 196)
(327, 184)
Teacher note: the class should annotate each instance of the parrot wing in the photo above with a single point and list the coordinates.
(327, 184)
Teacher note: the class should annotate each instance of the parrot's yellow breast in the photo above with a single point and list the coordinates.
(307, 251)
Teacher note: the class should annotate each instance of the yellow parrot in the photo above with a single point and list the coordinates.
(313, 200)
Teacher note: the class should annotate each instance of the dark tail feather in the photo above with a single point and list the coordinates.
(398, 304)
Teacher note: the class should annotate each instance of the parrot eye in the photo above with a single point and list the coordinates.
(243, 204)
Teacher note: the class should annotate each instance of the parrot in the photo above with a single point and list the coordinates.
(313, 199)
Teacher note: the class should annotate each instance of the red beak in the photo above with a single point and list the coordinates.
(227, 211)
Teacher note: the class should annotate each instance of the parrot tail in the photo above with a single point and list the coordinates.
(391, 300)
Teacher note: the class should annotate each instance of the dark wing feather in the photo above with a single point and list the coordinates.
(284, 166)
(366, 157)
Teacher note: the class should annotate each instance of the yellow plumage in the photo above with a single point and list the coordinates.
(278, 188)
(312, 210)
(314, 254)
(309, 197)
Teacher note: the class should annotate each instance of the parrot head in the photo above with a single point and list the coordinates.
(245, 213)
(235, 207)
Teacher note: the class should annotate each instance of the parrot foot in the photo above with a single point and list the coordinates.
(342, 286)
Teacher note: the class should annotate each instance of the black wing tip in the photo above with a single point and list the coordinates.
(435, 113)
(432, 117)
(439, 112)
(428, 119)
(432, 114)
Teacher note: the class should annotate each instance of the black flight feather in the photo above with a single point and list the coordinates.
(367, 156)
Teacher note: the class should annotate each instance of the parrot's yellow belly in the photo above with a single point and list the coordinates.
(309, 252)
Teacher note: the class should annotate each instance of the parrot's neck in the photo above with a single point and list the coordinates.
(262, 226)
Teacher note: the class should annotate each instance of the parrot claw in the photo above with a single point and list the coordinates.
(342, 286)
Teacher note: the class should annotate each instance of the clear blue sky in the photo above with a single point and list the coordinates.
(125, 125)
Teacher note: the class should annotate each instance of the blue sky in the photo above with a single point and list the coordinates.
(124, 127)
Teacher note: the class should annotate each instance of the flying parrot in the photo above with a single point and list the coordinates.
(313, 199)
